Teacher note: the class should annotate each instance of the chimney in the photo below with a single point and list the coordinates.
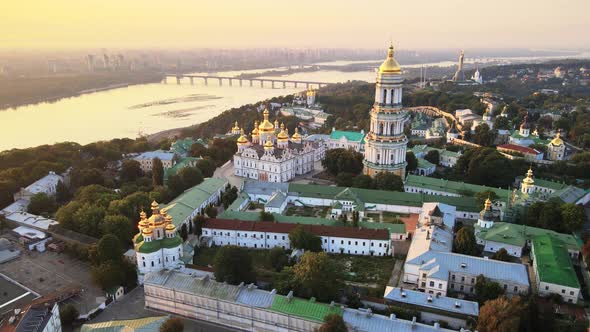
(436, 325)
(457, 304)
(414, 320)
(392, 317)
(290, 296)
(429, 299)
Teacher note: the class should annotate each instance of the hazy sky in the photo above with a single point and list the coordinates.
(298, 23)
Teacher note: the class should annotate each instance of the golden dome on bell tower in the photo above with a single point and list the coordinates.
(242, 139)
(283, 135)
(390, 65)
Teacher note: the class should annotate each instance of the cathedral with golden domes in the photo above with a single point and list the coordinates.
(271, 155)
(157, 245)
(386, 143)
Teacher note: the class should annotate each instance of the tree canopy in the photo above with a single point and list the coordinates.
(157, 172)
(465, 242)
(172, 324)
(302, 239)
(500, 315)
(333, 323)
(233, 265)
(343, 160)
(318, 276)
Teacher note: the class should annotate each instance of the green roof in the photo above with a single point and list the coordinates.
(517, 235)
(149, 247)
(459, 188)
(171, 242)
(303, 308)
(254, 216)
(423, 163)
(350, 135)
(553, 262)
(235, 206)
(148, 324)
(183, 206)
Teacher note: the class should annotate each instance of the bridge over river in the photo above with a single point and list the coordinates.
(231, 80)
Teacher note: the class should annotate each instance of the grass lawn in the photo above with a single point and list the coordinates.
(366, 269)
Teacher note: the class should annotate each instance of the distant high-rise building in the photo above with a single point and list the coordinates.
(459, 74)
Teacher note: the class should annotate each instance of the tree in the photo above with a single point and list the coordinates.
(211, 211)
(388, 181)
(109, 249)
(62, 192)
(89, 218)
(464, 242)
(345, 179)
(119, 226)
(502, 122)
(183, 232)
(42, 203)
(233, 265)
(68, 314)
(197, 150)
(172, 324)
(198, 222)
(302, 239)
(433, 156)
(266, 216)
(108, 274)
(573, 217)
(500, 315)
(207, 166)
(501, 255)
(191, 176)
(278, 258)
(412, 162)
(486, 289)
(343, 160)
(484, 135)
(481, 197)
(157, 172)
(318, 275)
(85, 177)
(333, 323)
(130, 170)
(355, 219)
(362, 181)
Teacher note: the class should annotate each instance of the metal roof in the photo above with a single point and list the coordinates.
(148, 324)
(308, 309)
(426, 300)
(441, 263)
(192, 285)
(553, 262)
(364, 321)
(250, 295)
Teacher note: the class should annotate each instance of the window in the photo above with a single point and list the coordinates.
(439, 285)
(546, 287)
(275, 237)
(283, 237)
(431, 284)
(462, 287)
(563, 291)
(356, 243)
(452, 286)
(571, 293)
(453, 277)
(332, 241)
(423, 284)
(348, 242)
(462, 279)
(341, 241)
(505, 287)
(472, 280)
(423, 275)
(363, 243)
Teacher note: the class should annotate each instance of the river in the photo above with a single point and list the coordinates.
(150, 108)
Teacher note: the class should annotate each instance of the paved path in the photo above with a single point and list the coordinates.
(227, 172)
(396, 273)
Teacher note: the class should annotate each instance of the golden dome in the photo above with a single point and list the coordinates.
(147, 231)
(242, 139)
(557, 141)
(310, 92)
(143, 223)
(170, 227)
(283, 135)
(529, 177)
(168, 218)
(255, 130)
(142, 215)
(163, 211)
(488, 203)
(236, 127)
(266, 126)
(268, 145)
(390, 65)
(296, 136)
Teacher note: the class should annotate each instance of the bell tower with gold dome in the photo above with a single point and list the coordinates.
(386, 143)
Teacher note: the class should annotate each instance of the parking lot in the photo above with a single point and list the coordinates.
(49, 272)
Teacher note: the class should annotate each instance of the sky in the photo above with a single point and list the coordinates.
(185, 24)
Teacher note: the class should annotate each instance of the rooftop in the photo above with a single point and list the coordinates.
(308, 309)
(517, 235)
(148, 324)
(364, 321)
(459, 188)
(553, 262)
(161, 154)
(518, 148)
(352, 136)
(183, 206)
(31, 220)
(426, 300)
(45, 184)
(439, 264)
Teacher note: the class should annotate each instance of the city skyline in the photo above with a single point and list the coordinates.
(66, 24)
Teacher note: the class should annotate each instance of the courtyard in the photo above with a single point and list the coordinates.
(49, 272)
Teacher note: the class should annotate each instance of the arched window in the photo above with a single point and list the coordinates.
(392, 129)
(380, 129)
(384, 96)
